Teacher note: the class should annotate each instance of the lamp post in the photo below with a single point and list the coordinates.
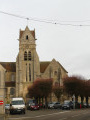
(73, 101)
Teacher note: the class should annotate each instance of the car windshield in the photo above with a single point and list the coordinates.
(34, 104)
(31, 101)
(19, 102)
(66, 102)
(7, 105)
(50, 103)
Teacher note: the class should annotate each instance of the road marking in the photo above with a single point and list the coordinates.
(63, 119)
(79, 114)
(85, 113)
(75, 115)
(39, 116)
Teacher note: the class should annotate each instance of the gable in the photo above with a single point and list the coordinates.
(32, 32)
(45, 65)
(1, 67)
(27, 36)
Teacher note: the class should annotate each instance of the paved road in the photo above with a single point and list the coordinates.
(53, 115)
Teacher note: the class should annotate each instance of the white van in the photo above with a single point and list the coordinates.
(17, 105)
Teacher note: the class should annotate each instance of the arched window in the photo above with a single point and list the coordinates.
(55, 73)
(26, 71)
(29, 72)
(12, 77)
(59, 74)
(29, 55)
(25, 55)
(50, 72)
(12, 91)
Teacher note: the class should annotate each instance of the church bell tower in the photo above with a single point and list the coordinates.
(27, 62)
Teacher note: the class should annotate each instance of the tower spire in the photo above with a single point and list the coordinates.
(27, 21)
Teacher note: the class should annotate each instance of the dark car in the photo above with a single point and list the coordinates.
(67, 105)
(34, 106)
(28, 104)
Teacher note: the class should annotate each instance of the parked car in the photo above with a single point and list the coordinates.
(17, 105)
(54, 105)
(7, 106)
(40, 105)
(34, 106)
(67, 105)
(28, 104)
(51, 105)
(57, 105)
(85, 105)
(89, 105)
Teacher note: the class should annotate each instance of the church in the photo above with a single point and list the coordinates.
(15, 77)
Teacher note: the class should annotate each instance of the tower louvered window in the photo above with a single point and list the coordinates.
(29, 55)
(25, 55)
(26, 37)
(29, 72)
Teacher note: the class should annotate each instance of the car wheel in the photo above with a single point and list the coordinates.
(10, 112)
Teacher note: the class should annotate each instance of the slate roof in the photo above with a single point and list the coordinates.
(9, 66)
(43, 66)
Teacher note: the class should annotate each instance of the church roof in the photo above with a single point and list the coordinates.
(9, 66)
(43, 66)
(62, 67)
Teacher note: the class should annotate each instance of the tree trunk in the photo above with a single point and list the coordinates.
(76, 102)
(46, 105)
(39, 100)
(58, 99)
(87, 100)
(82, 98)
(76, 99)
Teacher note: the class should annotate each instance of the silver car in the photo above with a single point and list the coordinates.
(7, 106)
(51, 105)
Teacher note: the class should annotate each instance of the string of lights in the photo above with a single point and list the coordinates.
(49, 21)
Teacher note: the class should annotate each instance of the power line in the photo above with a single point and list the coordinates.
(49, 21)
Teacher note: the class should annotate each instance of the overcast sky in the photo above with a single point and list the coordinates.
(68, 44)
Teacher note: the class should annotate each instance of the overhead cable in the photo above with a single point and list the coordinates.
(49, 21)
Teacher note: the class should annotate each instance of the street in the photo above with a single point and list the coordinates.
(48, 114)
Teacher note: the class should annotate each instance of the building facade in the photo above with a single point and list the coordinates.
(27, 68)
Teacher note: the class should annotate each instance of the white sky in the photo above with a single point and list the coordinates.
(70, 45)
